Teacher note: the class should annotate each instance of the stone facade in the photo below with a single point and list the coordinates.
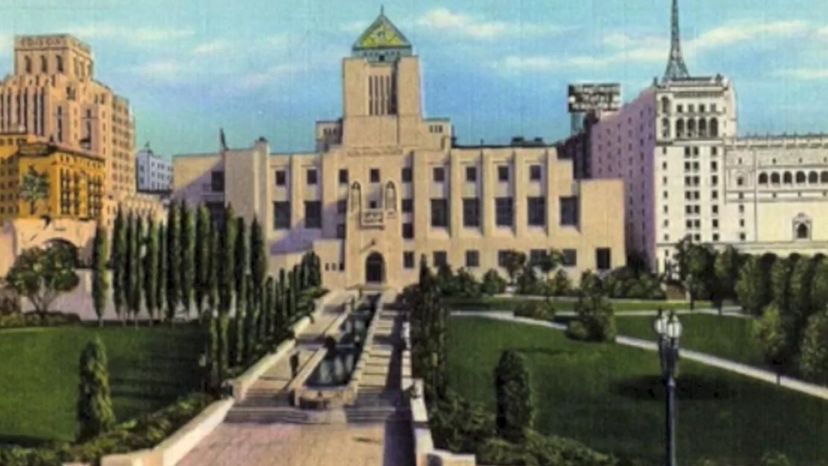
(388, 185)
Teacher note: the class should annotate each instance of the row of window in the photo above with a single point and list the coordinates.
(692, 128)
(603, 258)
(788, 178)
(438, 175)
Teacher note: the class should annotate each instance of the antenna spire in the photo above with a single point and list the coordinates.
(676, 68)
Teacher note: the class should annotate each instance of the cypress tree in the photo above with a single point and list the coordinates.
(100, 280)
(267, 311)
(203, 242)
(131, 255)
(226, 268)
(242, 259)
(294, 291)
(213, 263)
(214, 352)
(258, 259)
(173, 291)
(251, 316)
(239, 330)
(138, 270)
(151, 271)
(514, 397)
(161, 272)
(224, 346)
(278, 324)
(119, 246)
(94, 407)
(188, 249)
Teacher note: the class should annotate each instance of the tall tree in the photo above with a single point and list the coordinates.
(814, 349)
(100, 278)
(281, 303)
(203, 240)
(799, 288)
(161, 273)
(819, 285)
(94, 406)
(780, 283)
(242, 259)
(258, 260)
(770, 333)
(119, 262)
(251, 316)
(173, 290)
(34, 187)
(751, 289)
(726, 270)
(240, 319)
(268, 308)
(42, 274)
(188, 249)
(130, 280)
(138, 270)
(227, 275)
(699, 272)
(211, 288)
(514, 397)
(151, 271)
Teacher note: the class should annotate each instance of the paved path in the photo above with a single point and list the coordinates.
(703, 358)
(266, 430)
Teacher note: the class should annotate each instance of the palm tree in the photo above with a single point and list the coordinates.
(34, 187)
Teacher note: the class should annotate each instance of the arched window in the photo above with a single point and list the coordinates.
(803, 232)
(59, 64)
(823, 177)
(703, 128)
(763, 178)
(714, 127)
(27, 64)
(44, 64)
(356, 197)
(800, 177)
(680, 128)
(665, 105)
(802, 227)
(775, 178)
(665, 128)
(813, 178)
(390, 196)
(787, 178)
(691, 128)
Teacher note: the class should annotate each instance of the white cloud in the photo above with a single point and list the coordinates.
(741, 32)
(169, 71)
(806, 74)
(213, 47)
(444, 20)
(131, 35)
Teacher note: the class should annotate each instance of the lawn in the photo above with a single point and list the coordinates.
(488, 303)
(149, 368)
(610, 398)
(726, 337)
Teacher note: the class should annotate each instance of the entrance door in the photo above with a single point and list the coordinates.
(374, 268)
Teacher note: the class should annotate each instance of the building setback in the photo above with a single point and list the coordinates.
(388, 185)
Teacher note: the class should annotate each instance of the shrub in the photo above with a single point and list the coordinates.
(814, 350)
(560, 284)
(94, 408)
(536, 309)
(541, 450)
(458, 425)
(514, 397)
(595, 312)
(493, 283)
(628, 283)
(28, 319)
(577, 330)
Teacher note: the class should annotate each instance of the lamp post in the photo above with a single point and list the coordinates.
(669, 329)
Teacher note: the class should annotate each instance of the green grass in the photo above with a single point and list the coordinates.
(487, 303)
(610, 398)
(149, 368)
(725, 337)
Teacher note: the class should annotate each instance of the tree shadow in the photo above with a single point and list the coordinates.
(691, 387)
(25, 441)
(539, 350)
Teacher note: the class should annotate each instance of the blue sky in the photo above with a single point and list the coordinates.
(496, 68)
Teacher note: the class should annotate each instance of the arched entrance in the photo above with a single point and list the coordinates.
(374, 268)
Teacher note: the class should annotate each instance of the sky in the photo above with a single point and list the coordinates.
(497, 68)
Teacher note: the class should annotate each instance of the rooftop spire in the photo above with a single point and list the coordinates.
(676, 68)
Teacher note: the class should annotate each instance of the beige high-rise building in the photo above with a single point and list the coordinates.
(387, 185)
(52, 94)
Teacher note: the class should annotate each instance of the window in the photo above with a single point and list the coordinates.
(535, 173)
(311, 176)
(408, 230)
(569, 211)
(603, 258)
(408, 259)
(440, 258)
(281, 215)
(439, 174)
(375, 175)
(471, 174)
(340, 231)
(406, 175)
(570, 257)
(471, 212)
(407, 206)
(536, 256)
(536, 211)
(439, 213)
(503, 173)
(343, 176)
(217, 181)
(341, 206)
(502, 257)
(472, 258)
(504, 212)
(59, 64)
(313, 214)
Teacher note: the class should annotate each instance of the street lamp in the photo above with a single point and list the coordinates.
(668, 329)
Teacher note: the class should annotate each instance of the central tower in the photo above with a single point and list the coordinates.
(381, 89)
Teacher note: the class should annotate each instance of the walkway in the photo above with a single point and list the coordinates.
(703, 358)
(265, 430)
